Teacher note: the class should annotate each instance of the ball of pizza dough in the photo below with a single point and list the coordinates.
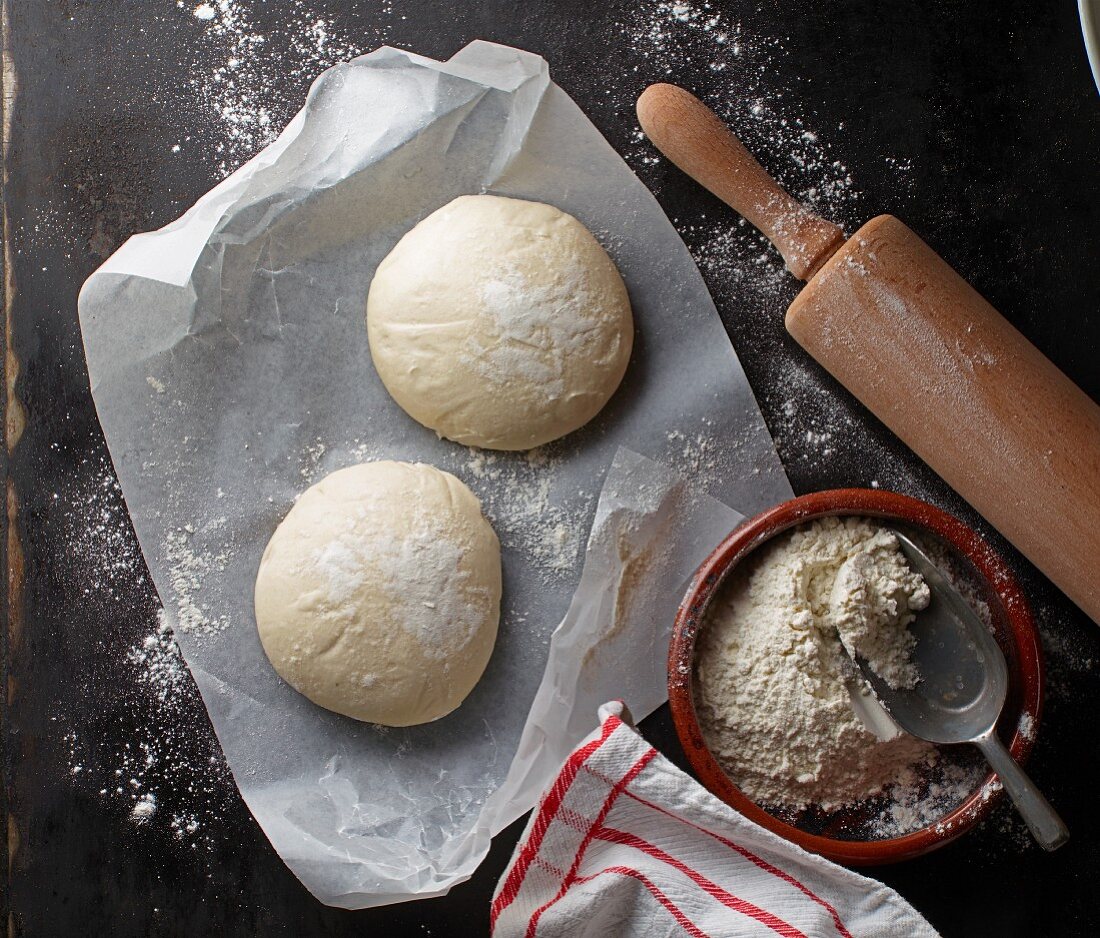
(378, 595)
(499, 323)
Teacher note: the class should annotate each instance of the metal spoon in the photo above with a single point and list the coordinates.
(964, 681)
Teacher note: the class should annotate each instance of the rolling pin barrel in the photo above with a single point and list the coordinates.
(924, 352)
(898, 327)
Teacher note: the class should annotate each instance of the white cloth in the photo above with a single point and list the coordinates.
(624, 843)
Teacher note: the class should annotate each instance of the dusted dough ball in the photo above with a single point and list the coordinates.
(378, 595)
(499, 323)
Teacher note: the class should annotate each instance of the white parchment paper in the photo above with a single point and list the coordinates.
(229, 365)
(651, 532)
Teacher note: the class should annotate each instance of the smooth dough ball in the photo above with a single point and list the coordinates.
(499, 323)
(378, 595)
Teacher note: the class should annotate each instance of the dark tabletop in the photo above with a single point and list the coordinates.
(978, 123)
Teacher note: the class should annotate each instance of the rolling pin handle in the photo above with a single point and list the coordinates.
(693, 137)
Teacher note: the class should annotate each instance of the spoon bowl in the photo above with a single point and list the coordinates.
(964, 677)
(962, 690)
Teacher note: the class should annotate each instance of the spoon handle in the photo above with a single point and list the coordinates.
(1042, 820)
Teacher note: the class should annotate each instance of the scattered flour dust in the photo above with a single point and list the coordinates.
(314, 453)
(148, 750)
(160, 769)
(251, 57)
(944, 787)
(749, 89)
(524, 497)
(95, 528)
(144, 808)
(166, 773)
(702, 455)
(189, 568)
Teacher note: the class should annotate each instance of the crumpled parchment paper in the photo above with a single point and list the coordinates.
(229, 365)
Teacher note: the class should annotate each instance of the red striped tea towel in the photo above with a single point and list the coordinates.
(625, 844)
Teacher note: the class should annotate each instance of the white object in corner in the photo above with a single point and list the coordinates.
(1090, 28)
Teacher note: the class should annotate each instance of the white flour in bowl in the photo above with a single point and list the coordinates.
(873, 599)
(772, 677)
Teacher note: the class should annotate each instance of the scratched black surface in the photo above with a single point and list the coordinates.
(995, 108)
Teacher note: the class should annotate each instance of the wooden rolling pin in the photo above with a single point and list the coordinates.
(923, 351)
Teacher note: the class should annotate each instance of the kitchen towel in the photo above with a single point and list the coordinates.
(624, 843)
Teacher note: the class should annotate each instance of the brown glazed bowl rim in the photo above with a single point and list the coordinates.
(1007, 605)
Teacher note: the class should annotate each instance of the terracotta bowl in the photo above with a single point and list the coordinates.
(841, 835)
